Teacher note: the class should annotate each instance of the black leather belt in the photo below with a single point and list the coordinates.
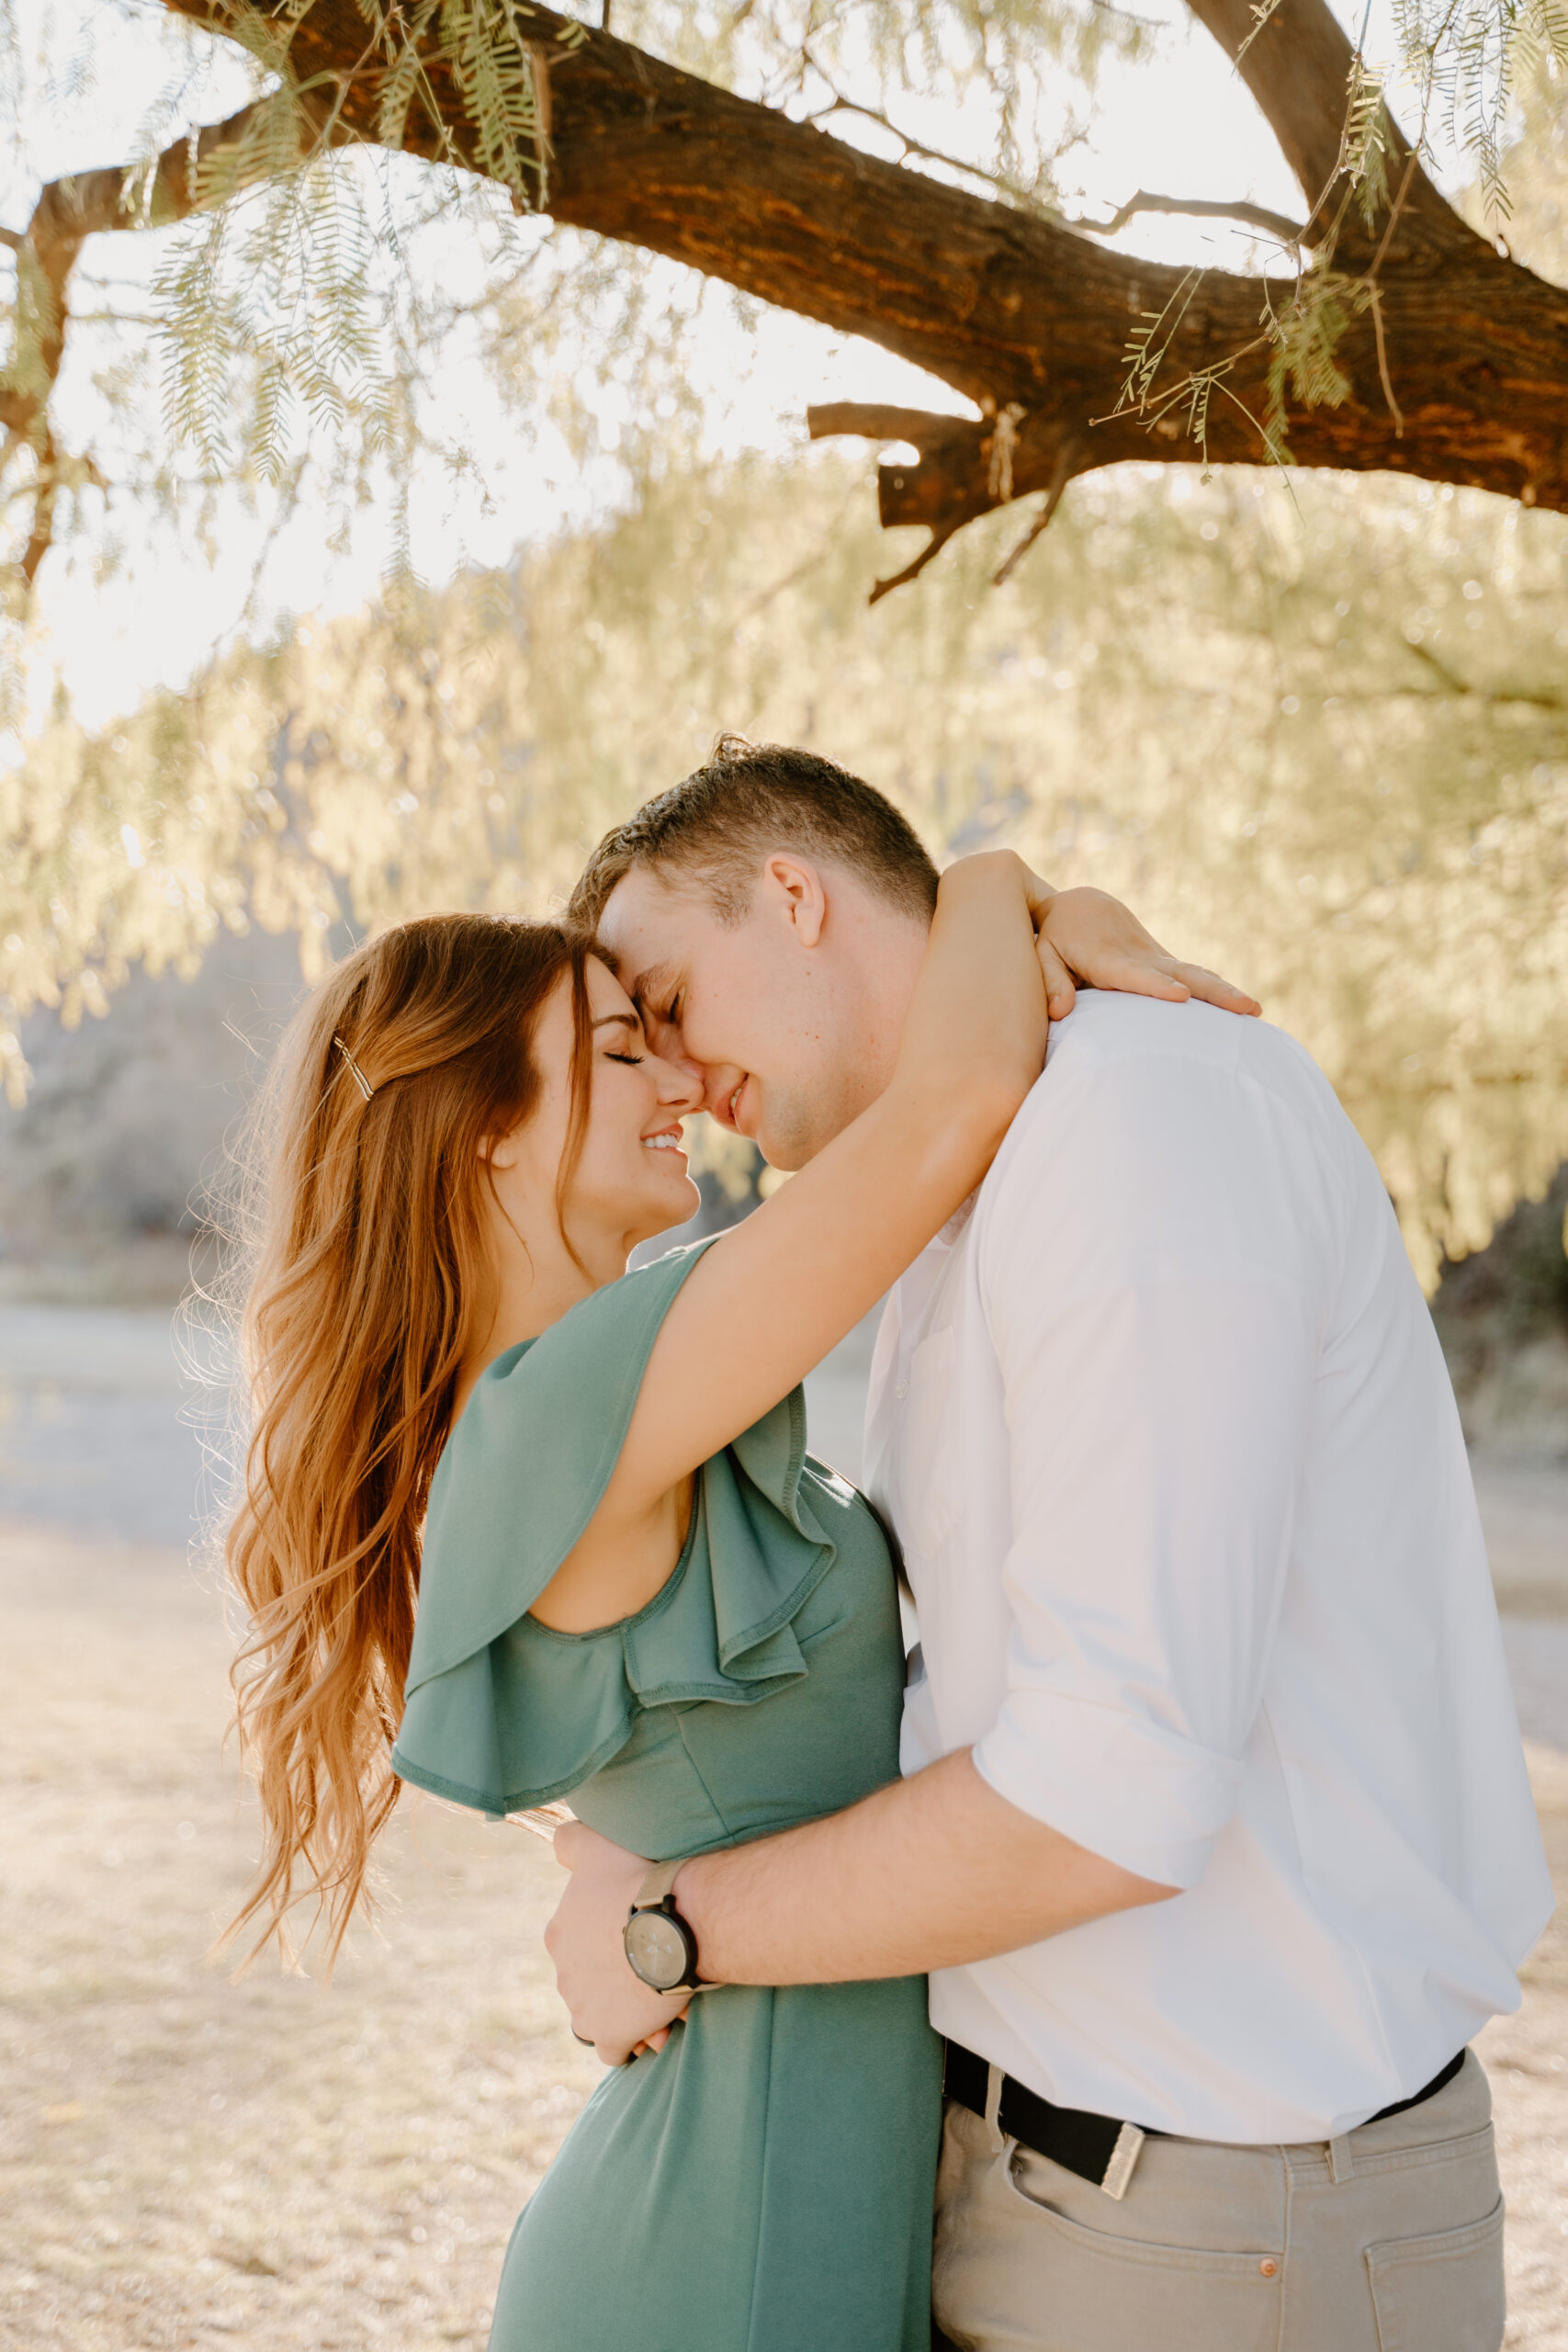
(1097, 2147)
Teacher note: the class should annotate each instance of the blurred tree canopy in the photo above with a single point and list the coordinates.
(1336, 767)
(1314, 726)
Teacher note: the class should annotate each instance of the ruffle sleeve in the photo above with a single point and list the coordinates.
(501, 1712)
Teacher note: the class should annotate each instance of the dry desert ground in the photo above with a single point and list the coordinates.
(188, 2162)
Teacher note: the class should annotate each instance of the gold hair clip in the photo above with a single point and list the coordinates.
(359, 1078)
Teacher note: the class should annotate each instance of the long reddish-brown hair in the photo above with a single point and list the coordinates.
(371, 1282)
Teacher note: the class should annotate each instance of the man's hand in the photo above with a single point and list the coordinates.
(934, 1872)
(610, 2005)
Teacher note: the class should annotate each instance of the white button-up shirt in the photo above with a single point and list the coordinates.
(1165, 1434)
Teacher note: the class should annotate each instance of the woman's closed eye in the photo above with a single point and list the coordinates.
(633, 1061)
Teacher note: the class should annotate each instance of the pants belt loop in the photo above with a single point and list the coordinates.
(1341, 2160)
(1123, 2157)
(995, 2077)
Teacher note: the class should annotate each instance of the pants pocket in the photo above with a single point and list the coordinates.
(1442, 2294)
(1098, 2292)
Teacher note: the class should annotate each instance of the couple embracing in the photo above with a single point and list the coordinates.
(1137, 1926)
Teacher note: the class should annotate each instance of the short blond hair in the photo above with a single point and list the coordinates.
(718, 824)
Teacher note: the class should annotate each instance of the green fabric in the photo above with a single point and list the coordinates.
(765, 2184)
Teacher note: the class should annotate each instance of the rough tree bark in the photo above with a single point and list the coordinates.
(1456, 359)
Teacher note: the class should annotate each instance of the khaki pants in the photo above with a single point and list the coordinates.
(1388, 2240)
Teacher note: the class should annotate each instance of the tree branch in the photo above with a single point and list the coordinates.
(1013, 309)
(1451, 684)
(875, 422)
(911, 146)
(913, 569)
(1065, 457)
(1255, 216)
(950, 484)
(1297, 66)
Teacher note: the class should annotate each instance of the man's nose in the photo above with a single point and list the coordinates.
(682, 1084)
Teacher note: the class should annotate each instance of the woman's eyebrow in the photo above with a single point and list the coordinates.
(626, 1020)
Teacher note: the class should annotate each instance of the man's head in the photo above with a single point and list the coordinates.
(768, 916)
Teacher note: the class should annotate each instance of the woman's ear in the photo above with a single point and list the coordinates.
(795, 887)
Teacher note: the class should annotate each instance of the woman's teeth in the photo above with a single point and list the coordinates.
(662, 1143)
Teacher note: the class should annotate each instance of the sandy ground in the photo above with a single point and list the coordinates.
(184, 2161)
(189, 2163)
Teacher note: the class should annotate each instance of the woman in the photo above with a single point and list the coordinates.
(634, 1587)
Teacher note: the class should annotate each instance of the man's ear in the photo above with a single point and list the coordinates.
(795, 886)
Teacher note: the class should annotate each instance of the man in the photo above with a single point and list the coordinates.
(1214, 1834)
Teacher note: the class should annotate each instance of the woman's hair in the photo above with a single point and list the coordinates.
(371, 1278)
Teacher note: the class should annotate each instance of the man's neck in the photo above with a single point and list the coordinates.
(881, 948)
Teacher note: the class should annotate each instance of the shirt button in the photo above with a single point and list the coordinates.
(1268, 2268)
(902, 1390)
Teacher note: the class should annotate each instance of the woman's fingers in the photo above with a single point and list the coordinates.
(1159, 974)
(1212, 990)
(1151, 973)
(1061, 994)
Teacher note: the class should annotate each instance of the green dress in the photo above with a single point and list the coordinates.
(764, 2183)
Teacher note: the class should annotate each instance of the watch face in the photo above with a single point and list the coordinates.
(657, 1948)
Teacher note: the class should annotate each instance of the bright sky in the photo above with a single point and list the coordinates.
(1183, 125)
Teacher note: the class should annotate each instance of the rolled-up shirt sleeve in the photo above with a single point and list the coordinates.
(1153, 1289)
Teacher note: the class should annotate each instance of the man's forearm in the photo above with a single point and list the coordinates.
(929, 1873)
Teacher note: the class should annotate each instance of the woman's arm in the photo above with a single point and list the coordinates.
(770, 1298)
(773, 1296)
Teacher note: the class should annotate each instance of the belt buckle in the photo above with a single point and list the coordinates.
(1123, 2159)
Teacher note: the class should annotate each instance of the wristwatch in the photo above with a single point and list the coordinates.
(661, 1948)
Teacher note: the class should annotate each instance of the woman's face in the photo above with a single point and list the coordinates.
(630, 1181)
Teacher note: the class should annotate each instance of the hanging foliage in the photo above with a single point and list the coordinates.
(1318, 739)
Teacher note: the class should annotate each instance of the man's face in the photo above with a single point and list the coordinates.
(759, 1010)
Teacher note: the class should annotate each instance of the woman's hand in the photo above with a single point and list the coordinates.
(1089, 936)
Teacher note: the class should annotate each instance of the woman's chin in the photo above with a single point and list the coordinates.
(675, 1202)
